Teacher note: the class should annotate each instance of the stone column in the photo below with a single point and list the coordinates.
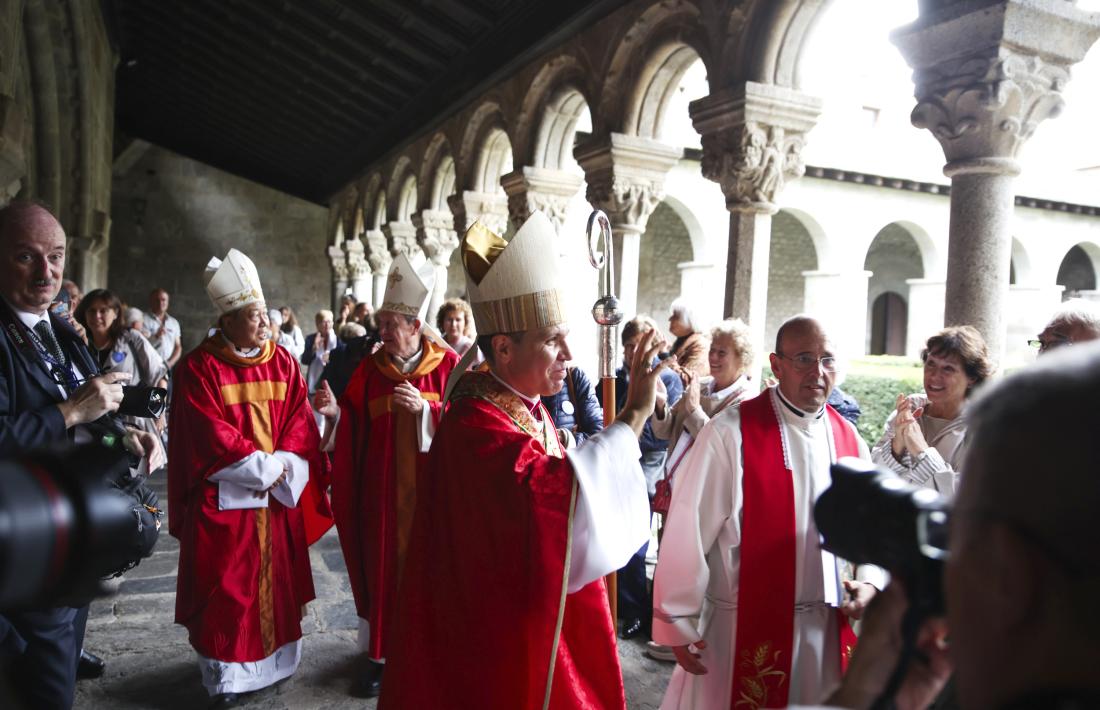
(985, 77)
(436, 235)
(925, 317)
(839, 300)
(626, 179)
(358, 272)
(530, 189)
(752, 139)
(379, 258)
(470, 206)
(339, 274)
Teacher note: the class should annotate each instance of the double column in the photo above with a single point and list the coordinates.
(984, 80)
(752, 138)
(437, 237)
(626, 177)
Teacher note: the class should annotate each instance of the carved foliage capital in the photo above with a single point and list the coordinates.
(752, 161)
(378, 251)
(522, 204)
(626, 201)
(339, 263)
(986, 105)
(490, 208)
(436, 235)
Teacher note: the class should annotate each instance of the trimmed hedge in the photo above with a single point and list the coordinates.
(876, 396)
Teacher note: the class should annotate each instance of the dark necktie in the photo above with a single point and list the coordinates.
(45, 333)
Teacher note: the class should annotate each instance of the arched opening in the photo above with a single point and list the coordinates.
(1077, 272)
(493, 160)
(379, 216)
(443, 184)
(672, 78)
(792, 252)
(889, 323)
(565, 114)
(406, 199)
(665, 244)
(893, 258)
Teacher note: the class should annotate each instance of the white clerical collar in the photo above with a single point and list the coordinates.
(252, 352)
(532, 404)
(408, 365)
(795, 410)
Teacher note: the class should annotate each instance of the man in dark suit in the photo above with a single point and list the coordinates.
(48, 390)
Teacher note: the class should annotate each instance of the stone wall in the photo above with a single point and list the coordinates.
(664, 245)
(171, 214)
(57, 121)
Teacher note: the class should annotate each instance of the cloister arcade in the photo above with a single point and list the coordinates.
(738, 222)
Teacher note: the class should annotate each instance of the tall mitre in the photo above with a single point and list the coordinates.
(514, 286)
(409, 292)
(233, 282)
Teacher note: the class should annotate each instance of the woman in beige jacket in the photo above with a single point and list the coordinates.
(730, 357)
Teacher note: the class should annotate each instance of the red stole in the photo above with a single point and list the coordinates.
(765, 597)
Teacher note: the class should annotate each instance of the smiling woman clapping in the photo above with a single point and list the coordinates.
(924, 441)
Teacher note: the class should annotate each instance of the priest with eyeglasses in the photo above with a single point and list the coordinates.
(755, 611)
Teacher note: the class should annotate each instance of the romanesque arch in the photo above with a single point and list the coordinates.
(486, 150)
(659, 80)
(1078, 270)
(795, 237)
(559, 92)
(893, 257)
(437, 174)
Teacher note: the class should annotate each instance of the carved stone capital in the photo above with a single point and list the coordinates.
(339, 263)
(378, 251)
(401, 237)
(985, 78)
(355, 257)
(626, 176)
(752, 140)
(435, 233)
(544, 189)
(470, 206)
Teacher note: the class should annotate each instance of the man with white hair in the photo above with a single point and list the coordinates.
(1075, 321)
(244, 453)
(384, 423)
(503, 603)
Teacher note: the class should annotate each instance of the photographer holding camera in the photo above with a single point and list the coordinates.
(48, 391)
(1023, 568)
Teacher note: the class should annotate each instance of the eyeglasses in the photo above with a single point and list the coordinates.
(804, 363)
(1048, 345)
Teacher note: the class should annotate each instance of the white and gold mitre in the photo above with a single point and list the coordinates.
(408, 290)
(513, 286)
(232, 283)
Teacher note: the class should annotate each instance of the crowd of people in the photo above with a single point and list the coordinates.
(481, 497)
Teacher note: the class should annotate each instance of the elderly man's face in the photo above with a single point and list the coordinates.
(32, 259)
(1058, 334)
(806, 369)
(399, 336)
(247, 327)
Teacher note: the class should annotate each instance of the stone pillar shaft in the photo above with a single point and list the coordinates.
(979, 252)
(750, 241)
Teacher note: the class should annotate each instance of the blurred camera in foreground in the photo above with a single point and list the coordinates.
(62, 526)
(870, 516)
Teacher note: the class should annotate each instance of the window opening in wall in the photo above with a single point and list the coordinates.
(889, 323)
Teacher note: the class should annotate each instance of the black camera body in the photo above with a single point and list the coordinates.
(870, 516)
(144, 402)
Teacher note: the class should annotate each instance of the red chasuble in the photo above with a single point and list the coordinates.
(765, 594)
(482, 586)
(244, 575)
(375, 475)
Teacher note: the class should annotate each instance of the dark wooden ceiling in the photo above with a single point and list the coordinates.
(302, 95)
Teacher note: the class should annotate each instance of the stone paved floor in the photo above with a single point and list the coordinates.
(150, 664)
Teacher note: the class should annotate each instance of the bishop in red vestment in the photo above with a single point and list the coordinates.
(383, 427)
(502, 602)
(244, 486)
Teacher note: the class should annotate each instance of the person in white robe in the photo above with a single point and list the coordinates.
(698, 570)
